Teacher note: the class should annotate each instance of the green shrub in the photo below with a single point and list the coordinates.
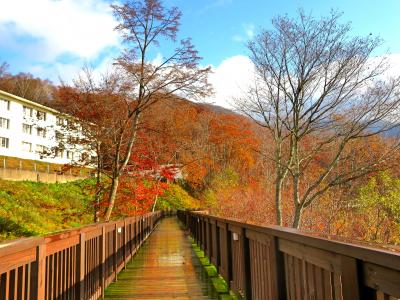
(175, 197)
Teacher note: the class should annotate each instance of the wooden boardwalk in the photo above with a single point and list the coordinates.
(164, 268)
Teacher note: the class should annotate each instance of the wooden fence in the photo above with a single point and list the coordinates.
(282, 263)
(75, 264)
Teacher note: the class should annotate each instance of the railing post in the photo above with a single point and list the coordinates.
(135, 233)
(225, 252)
(200, 224)
(208, 238)
(278, 283)
(41, 270)
(103, 260)
(203, 235)
(115, 248)
(246, 264)
(197, 226)
(350, 280)
(81, 267)
(141, 229)
(125, 242)
(214, 243)
(131, 237)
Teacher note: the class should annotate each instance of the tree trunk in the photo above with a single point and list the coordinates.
(278, 200)
(155, 204)
(98, 189)
(119, 168)
(298, 207)
(111, 200)
(298, 211)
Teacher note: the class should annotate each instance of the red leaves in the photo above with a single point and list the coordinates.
(143, 179)
(137, 195)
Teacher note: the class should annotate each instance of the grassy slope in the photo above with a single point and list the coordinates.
(32, 208)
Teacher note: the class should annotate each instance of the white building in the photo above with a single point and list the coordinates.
(29, 129)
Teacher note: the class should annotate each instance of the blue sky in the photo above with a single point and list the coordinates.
(215, 26)
(54, 38)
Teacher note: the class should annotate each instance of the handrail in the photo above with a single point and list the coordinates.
(273, 262)
(73, 264)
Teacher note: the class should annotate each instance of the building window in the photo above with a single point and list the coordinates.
(41, 131)
(72, 140)
(84, 156)
(27, 147)
(59, 136)
(59, 153)
(5, 123)
(26, 128)
(61, 121)
(70, 155)
(41, 149)
(28, 112)
(40, 115)
(4, 104)
(4, 142)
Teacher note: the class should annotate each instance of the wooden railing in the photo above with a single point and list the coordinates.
(282, 263)
(75, 264)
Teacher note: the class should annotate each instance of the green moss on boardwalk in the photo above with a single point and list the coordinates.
(218, 281)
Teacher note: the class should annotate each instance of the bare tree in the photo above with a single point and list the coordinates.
(318, 92)
(144, 25)
(97, 106)
(3, 69)
(26, 85)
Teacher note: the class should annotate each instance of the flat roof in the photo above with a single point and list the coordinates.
(12, 97)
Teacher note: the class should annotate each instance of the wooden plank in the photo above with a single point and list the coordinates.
(7, 285)
(115, 250)
(17, 259)
(311, 281)
(41, 271)
(125, 243)
(382, 279)
(259, 237)
(81, 267)
(20, 245)
(350, 280)
(103, 260)
(150, 276)
(28, 281)
(245, 259)
(321, 258)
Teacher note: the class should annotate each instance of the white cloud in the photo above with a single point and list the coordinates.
(230, 79)
(72, 26)
(66, 72)
(393, 61)
(235, 75)
(62, 32)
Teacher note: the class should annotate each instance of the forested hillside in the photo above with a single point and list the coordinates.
(222, 155)
(312, 144)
